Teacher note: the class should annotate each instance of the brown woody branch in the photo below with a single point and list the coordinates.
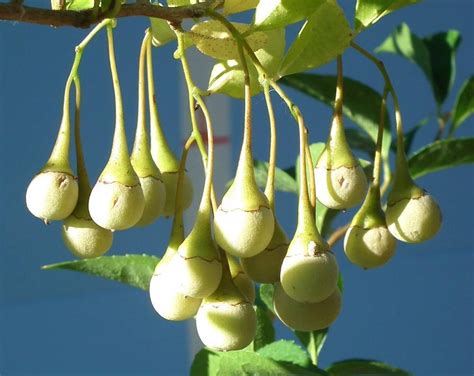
(15, 11)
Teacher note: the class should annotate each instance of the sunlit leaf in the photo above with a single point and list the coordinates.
(278, 13)
(313, 341)
(325, 35)
(464, 106)
(283, 181)
(441, 155)
(134, 270)
(368, 12)
(161, 32)
(286, 351)
(237, 6)
(265, 331)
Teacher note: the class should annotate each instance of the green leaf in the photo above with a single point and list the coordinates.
(325, 35)
(266, 295)
(286, 351)
(358, 367)
(368, 12)
(324, 218)
(361, 103)
(313, 341)
(79, 5)
(212, 38)
(283, 181)
(280, 13)
(340, 283)
(435, 55)
(227, 77)
(265, 330)
(441, 155)
(237, 6)
(206, 362)
(161, 32)
(361, 141)
(410, 135)
(134, 270)
(464, 106)
(180, 3)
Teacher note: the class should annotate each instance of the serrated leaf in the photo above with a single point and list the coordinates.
(265, 293)
(227, 77)
(265, 331)
(134, 270)
(435, 55)
(237, 6)
(464, 106)
(313, 341)
(368, 12)
(161, 32)
(361, 102)
(283, 181)
(280, 13)
(324, 36)
(441, 155)
(286, 351)
(213, 39)
(358, 367)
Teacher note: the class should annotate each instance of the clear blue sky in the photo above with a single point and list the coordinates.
(415, 313)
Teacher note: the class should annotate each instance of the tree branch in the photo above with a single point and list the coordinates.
(15, 11)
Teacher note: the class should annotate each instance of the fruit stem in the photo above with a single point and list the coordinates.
(82, 209)
(270, 186)
(339, 99)
(141, 155)
(159, 145)
(177, 229)
(402, 174)
(312, 183)
(208, 157)
(378, 148)
(59, 158)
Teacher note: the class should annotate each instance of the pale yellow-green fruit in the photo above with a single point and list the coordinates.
(84, 238)
(226, 325)
(339, 188)
(196, 277)
(309, 271)
(414, 220)
(171, 180)
(243, 233)
(116, 206)
(265, 267)
(52, 196)
(154, 193)
(167, 301)
(369, 247)
(306, 317)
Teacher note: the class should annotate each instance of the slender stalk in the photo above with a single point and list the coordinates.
(270, 186)
(378, 148)
(312, 183)
(339, 100)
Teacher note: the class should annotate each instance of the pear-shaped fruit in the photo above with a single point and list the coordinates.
(306, 317)
(413, 216)
(52, 193)
(241, 280)
(116, 201)
(161, 152)
(226, 320)
(340, 180)
(309, 270)
(151, 181)
(244, 222)
(265, 267)
(367, 242)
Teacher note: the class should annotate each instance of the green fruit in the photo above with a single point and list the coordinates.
(84, 238)
(340, 180)
(170, 178)
(52, 195)
(368, 243)
(226, 320)
(309, 271)
(306, 317)
(242, 280)
(265, 267)
(196, 266)
(414, 220)
(154, 194)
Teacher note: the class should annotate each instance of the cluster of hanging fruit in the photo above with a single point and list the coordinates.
(210, 273)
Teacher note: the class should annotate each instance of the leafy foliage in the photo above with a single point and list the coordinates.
(464, 106)
(363, 367)
(134, 270)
